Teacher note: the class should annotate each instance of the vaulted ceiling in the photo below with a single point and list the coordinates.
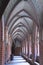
(20, 15)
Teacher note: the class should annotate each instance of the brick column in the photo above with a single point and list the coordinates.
(33, 42)
(22, 46)
(41, 45)
(33, 49)
(9, 46)
(5, 42)
(28, 45)
(25, 45)
(3, 53)
(1, 46)
(0, 42)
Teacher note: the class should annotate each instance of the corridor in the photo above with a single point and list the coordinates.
(21, 32)
(18, 60)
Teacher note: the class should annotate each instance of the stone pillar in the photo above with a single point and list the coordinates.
(41, 45)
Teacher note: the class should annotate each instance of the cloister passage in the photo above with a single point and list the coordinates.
(21, 32)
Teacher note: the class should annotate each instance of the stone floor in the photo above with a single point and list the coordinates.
(18, 60)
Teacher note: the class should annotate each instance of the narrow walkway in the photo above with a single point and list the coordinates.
(18, 60)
